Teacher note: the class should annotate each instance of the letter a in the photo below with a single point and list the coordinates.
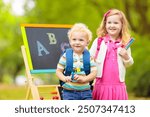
(41, 48)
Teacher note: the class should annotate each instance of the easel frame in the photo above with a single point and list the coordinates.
(38, 41)
(32, 89)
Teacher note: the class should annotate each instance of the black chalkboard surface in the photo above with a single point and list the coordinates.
(44, 45)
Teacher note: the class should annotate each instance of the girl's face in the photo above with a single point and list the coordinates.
(113, 26)
(78, 42)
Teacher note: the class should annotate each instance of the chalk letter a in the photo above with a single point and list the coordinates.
(41, 48)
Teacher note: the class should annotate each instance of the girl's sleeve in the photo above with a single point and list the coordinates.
(93, 48)
(130, 61)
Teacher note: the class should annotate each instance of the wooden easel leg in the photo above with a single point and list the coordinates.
(31, 87)
(28, 93)
(35, 93)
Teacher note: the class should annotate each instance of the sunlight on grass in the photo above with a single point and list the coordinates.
(132, 97)
(12, 92)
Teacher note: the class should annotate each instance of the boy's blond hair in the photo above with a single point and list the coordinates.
(125, 34)
(80, 27)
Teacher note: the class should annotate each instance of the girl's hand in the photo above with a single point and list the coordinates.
(123, 53)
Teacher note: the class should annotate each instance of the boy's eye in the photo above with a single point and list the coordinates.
(80, 39)
(74, 39)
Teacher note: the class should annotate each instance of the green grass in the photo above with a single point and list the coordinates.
(12, 92)
(133, 97)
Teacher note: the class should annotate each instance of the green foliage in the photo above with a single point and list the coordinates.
(11, 58)
(138, 75)
(143, 86)
(141, 67)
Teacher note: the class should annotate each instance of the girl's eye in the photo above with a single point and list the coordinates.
(73, 39)
(115, 22)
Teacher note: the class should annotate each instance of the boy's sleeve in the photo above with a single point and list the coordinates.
(62, 62)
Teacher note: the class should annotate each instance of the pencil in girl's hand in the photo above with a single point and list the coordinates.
(129, 43)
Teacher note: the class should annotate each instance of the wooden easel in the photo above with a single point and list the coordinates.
(32, 89)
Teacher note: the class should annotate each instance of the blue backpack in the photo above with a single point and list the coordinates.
(69, 63)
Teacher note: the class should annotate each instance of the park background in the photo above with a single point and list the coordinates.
(16, 12)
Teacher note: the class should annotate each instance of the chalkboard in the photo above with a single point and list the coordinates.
(44, 44)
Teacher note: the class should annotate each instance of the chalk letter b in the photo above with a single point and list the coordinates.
(52, 38)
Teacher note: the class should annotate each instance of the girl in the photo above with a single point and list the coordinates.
(112, 58)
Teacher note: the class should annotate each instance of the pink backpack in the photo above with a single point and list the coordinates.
(98, 46)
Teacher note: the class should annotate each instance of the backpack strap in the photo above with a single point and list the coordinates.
(86, 64)
(86, 61)
(69, 62)
(98, 46)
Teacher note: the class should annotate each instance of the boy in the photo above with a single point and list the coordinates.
(76, 83)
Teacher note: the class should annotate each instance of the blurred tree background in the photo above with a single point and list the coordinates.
(89, 12)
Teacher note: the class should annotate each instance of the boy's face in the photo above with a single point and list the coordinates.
(78, 42)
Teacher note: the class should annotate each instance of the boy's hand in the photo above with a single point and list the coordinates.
(123, 53)
(67, 79)
(79, 78)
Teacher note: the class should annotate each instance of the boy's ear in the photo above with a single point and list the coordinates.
(88, 43)
(69, 41)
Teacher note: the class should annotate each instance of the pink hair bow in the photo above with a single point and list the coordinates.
(105, 15)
